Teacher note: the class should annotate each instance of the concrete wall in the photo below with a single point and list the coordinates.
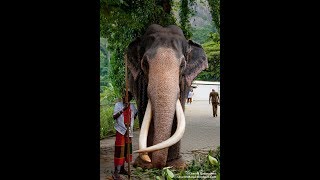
(202, 91)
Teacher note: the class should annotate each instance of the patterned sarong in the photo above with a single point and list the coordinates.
(120, 151)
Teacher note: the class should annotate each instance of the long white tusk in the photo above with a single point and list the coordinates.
(174, 138)
(144, 132)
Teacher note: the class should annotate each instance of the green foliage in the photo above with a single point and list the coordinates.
(108, 95)
(104, 62)
(117, 72)
(167, 173)
(202, 25)
(147, 173)
(161, 174)
(212, 49)
(215, 37)
(202, 34)
(106, 121)
(203, 166)
(123, 21)
(185, 14)
(215, 12)
(217, 156)
(107, 101)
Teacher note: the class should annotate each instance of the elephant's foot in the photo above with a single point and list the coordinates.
(141, 163)
(179, 164)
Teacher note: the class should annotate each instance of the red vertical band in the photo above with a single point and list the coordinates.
(127, 116)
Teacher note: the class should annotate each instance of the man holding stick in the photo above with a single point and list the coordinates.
(124, 114)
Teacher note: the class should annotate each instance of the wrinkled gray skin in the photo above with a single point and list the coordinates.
(162, 65)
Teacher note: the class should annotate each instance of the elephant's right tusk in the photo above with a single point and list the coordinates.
(175, 137)
(144, 132)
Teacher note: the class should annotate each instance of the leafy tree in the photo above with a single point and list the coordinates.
(215, 12)
(212, 46)
(185, 13)
(212, 49)
(104, 62)
(202, 34)
(123, 21)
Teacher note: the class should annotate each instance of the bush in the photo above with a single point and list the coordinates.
(107, 101)
(205, 165)
(212, 49)
(106, 121)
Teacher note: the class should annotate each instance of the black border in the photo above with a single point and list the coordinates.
(53, 91)
(51, 115)
(268, 91)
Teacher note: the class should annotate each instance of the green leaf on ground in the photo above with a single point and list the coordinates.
(212, 160)
(170, 173)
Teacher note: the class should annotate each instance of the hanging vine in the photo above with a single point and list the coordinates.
(215, 12)
(185, 13)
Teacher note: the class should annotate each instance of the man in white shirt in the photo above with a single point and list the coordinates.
(121, 111)
(190, 94)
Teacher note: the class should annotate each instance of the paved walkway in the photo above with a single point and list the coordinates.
(202, 133)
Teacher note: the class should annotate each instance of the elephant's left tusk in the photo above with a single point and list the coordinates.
(144, 132)
(175, 137)
(145, 157)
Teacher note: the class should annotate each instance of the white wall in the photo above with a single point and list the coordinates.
(202, 91)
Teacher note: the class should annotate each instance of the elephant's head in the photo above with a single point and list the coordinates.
(162, 66)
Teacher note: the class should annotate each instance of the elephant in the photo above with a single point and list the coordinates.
(162, 64)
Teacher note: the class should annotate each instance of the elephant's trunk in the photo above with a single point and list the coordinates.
(163, 93)
(163, 121)
(178, 133)
(163, 100)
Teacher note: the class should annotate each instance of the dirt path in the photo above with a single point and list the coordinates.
(202, 133)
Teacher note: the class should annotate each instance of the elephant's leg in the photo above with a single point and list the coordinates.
(174, 158)
(174, 151)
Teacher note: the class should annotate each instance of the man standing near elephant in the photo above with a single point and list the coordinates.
(214, 97)
(190, 94)
(121, 113)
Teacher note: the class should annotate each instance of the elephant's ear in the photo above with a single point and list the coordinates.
(196, 61)
(133, 57)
